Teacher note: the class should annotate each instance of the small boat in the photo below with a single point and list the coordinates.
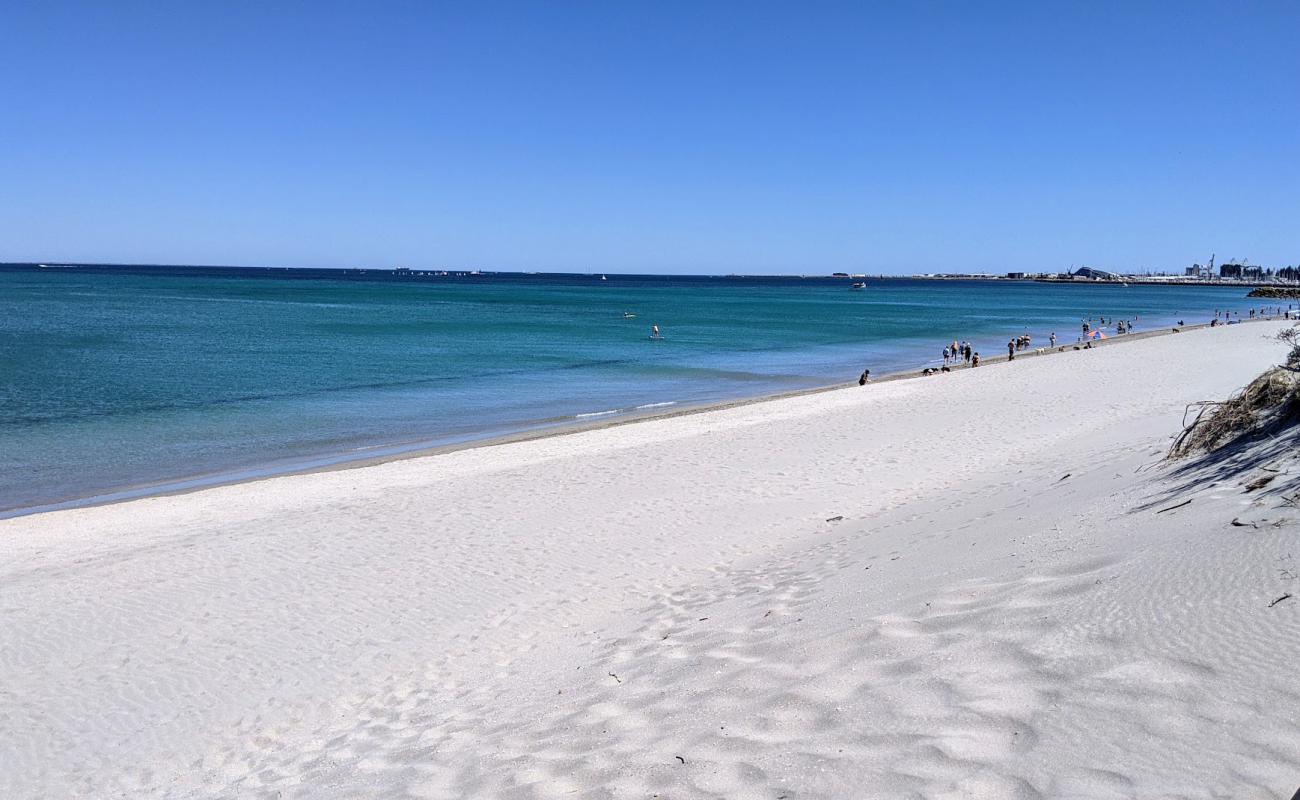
(628, 315)
(603, 278)
(859, 286)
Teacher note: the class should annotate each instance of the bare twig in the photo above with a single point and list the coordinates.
(1260, 483)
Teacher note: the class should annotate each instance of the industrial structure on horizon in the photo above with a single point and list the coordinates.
(1234, 271)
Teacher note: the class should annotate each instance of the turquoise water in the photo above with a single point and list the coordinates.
(113, 379)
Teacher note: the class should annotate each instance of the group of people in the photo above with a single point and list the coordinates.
(1121, 326)
(958, 352)
(1018, 343)
(1264, 312)
(962, 352)
(955, 354)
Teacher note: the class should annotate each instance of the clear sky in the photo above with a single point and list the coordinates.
(699, 137)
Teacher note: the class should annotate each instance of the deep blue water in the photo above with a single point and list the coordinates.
(111, 379)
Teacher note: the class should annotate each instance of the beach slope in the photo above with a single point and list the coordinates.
(977, 584)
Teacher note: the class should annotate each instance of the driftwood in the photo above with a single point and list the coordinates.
(1260, 483)
(1266, 405)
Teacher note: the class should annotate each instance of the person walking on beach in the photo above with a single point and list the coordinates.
(975, 360)
(866, 376)
(946, 355)
(1052, 338)
(966, 352)
(1011, 349)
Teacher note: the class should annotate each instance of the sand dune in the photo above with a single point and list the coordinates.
(880, 592)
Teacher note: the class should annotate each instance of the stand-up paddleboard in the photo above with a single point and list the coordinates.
(654, 338)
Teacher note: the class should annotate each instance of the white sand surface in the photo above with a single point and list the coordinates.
(663, 609)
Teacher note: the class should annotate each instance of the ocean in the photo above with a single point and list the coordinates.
(123, 381)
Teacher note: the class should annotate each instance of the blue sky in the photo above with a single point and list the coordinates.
(700, 137)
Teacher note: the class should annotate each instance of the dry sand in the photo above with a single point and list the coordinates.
(890, 591)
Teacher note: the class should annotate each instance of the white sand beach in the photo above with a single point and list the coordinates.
(961, 586)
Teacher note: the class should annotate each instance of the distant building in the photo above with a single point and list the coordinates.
(1090, 274)
(1016, 276)
(1230, 271)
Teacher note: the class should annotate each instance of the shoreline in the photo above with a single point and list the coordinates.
(541, 430)
(988, 586)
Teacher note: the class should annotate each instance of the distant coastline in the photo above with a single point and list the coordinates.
(438, 273)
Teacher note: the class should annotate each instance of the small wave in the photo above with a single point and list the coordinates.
(657, 405)
(257, 301)
(597, 413)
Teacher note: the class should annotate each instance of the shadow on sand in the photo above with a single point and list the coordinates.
(1248, 460)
